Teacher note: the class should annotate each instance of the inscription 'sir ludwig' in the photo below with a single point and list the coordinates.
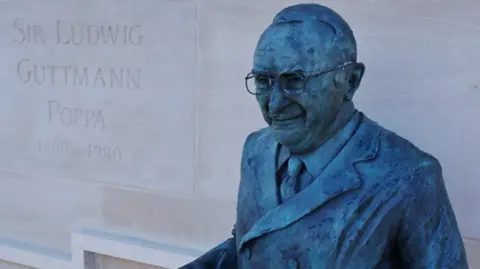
(75, 117)
(77, 34)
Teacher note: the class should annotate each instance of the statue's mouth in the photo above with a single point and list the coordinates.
(287, 117)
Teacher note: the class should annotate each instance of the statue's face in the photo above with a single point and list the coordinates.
(299, 121)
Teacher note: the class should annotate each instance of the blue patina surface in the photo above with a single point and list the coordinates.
(366, 197)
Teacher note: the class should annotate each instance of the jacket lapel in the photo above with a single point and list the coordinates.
(264, 168)
(338, 178)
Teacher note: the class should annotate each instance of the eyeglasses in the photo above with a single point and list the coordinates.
(290, 83)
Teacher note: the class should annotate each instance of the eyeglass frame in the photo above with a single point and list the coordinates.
(306, 78)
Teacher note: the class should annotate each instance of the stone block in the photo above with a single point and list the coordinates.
(92, 90)
(180, 220)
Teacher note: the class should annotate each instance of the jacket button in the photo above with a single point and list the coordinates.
(248, 253)
(293, 264)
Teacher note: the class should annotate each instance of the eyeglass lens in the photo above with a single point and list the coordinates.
(293, 83)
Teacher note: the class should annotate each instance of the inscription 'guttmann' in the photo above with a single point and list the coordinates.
(31, 72)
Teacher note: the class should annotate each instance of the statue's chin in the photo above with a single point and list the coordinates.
(295, 141)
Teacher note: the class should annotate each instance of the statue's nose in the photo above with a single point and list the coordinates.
(277, 100)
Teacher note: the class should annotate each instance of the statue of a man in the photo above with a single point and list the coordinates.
(324, 186)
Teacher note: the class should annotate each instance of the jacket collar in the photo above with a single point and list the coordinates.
(338, 178)
(316, 161)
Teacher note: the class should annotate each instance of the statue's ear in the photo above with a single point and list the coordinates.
(355, 79)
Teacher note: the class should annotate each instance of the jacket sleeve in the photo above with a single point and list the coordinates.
(223, 256)
(429, 237)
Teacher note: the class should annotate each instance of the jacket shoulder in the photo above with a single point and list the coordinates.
(256, 141)
(397, 155)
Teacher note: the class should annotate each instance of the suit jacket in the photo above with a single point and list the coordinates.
(381, 203)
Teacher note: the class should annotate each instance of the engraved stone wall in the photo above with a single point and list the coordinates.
(132, 114)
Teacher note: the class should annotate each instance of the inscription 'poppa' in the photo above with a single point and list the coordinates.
(75, 117)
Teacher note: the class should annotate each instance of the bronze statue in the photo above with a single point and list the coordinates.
(324, 186)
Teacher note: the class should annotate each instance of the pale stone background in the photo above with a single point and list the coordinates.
(180, 132)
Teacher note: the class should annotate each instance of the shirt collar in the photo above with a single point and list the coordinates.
(316, 161)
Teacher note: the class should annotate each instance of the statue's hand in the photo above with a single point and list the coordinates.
(224, 256)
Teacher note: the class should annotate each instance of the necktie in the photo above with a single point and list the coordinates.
(289, 184)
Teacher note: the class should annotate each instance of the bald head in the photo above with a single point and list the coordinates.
(335, 33)
(306, 46)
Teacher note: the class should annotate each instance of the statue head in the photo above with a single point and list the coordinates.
(305, 70)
